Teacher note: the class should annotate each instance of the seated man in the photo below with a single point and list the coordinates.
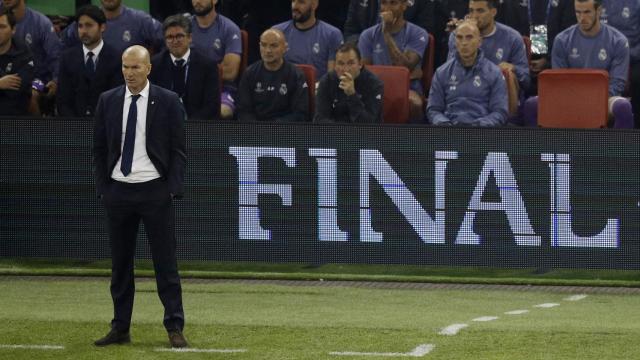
(350, 93)
(501, 45)
(273, 89)
(397, 42)
(87, 70)
(220, 40)
(310, 40)
(187, 72)
(624, 15)
(592, 45)
(125, 27)
(468, 90)
(36, 31)
(16, 70)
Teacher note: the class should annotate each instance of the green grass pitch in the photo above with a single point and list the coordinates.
(273, 321)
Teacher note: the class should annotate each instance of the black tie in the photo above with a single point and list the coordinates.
(91, 66)
(129, 137)
(178, 77)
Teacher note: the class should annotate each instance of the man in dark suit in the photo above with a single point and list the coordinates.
(87, 70)
(191, 75)
(139, 158)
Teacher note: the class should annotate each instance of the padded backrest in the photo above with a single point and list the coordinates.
(310, 74)
(245, 51)
(428, 64)
(573, 98)
(527, 46)
(395, 107)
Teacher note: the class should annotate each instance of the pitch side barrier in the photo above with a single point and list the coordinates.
(508, 197)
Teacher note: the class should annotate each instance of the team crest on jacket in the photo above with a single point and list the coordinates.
(555, 3)
(126, 36)
(258, 88)
(28, 39)
(499, 54)
(217, 44)
(602, 55)
(626, 13)
(316, 48)
(8, 68)
(364, 3)
(283, 89)
(476, 81)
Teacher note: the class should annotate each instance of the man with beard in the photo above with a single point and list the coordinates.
(350, 93)
(273, 89)
(468, 90)
(87, 70)
(395, 41)
(16, 69)
(311, 41)
(125, 27)
(624, 15)
(187, 72)
(501, 45)
(592, 45)
(220, 40)
(36, 31)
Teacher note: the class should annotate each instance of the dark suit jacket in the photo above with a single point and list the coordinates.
(165, 136)
(202, 94)
(77, 92)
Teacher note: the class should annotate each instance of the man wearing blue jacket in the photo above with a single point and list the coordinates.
(624, 15)
(468, 90)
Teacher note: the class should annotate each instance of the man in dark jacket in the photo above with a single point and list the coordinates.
(350, 93)
(190, 74)
(87, 70)
(16, 69)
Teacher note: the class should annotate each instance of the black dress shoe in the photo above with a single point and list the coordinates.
(176, 339)
(114, 337)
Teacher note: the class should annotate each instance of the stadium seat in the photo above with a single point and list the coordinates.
(395, 107)
(527, 46)
(573, 98)
(310, 74)
(245, 51)
(428, 63)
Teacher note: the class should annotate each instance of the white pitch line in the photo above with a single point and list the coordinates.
(546, 305)
(452, 329)
(195, 350)
(32, 347)
(575, 297)
(517, 312)
(485, 318)
(419, 351)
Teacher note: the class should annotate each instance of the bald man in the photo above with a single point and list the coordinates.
(468, 90)
(139, 159)
(273, 89)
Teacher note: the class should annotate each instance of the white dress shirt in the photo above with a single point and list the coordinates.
(96, 52)
(142, 169)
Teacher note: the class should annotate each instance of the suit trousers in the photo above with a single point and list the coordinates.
(126, 205)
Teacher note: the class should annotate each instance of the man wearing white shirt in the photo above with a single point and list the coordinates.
(86, 70)
(139, 158)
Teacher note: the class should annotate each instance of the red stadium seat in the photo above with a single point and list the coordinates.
(245, 52)
(395, 107)
(428, 63)
(310, 74)
(527, 46)
(573, 98)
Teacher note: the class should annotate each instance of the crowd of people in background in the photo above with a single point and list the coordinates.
(236, 59)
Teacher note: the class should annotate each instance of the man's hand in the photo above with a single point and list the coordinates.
(538, 65)
(10, 82)
(53, 88)
(387, 20)
(347, 84)
(505, 66)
